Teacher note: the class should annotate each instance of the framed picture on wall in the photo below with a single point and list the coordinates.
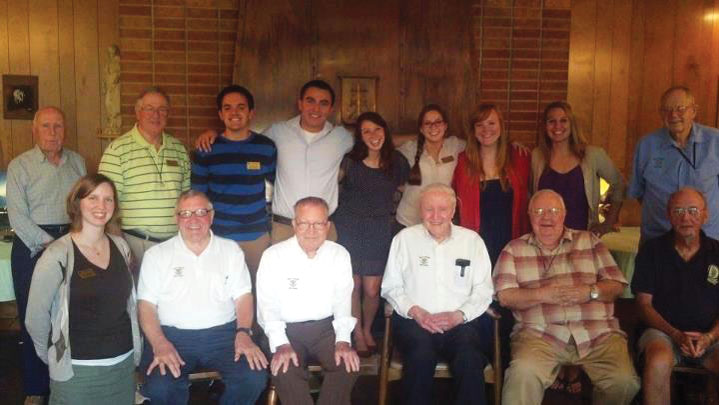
(358, 95)
(20, 94)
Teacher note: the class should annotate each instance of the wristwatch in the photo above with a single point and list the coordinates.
(593, 292)
(248, 331)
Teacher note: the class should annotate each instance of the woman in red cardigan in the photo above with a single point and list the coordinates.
(496, 173)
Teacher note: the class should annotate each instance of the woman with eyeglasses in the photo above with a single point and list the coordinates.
(370, 175)
(565, 163)
(82, 309)
(433, 157)
(491, 181)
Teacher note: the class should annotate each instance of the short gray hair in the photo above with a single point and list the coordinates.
(311, 200)
(47, 108)
(441, 188)
(151, 90)
(543, 192)
(187, 194)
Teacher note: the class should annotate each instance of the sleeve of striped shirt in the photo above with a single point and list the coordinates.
(200, 173)
(111, 166)
(186, 176)
(271, 174)
(505, 272)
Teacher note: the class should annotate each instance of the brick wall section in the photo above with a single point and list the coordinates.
(523, 46)
(184, 46)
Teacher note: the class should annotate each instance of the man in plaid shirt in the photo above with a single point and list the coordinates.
(561, 285)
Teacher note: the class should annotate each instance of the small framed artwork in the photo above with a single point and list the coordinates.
(359, 94)
(20, 97)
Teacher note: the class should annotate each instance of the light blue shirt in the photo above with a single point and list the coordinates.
(36, 193)
(306, 168)
(661, 167)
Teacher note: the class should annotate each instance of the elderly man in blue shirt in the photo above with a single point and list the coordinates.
(683, 153)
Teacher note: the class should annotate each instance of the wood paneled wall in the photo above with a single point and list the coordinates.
(64, 43)
(624, 54)
(453, 53)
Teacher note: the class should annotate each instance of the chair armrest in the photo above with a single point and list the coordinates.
(493, 313)
(388, 310)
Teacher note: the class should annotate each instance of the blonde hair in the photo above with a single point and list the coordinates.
(577, 141)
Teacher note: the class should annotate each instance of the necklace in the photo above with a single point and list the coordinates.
(543, 258)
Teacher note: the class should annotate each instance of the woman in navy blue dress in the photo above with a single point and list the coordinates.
(370, 175)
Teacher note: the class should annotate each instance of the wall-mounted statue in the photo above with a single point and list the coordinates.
(111, 93)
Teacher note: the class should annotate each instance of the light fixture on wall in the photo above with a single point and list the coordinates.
(709, 17)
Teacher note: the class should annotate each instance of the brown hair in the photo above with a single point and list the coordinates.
(415, 175)
(360, 151)
(577, 141)
(474, 158)
(82, 188)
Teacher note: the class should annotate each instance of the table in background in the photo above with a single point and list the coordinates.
(7, 292)
(623, 246)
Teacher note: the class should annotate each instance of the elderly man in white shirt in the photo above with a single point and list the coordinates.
(304, 289)
(438, 280)
(195, 308)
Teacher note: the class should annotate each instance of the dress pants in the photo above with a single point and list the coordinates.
(536, 363)
(35, 375)
(460, 347)
(314, 340)
(212, 348)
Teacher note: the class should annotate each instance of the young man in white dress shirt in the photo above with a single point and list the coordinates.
(304, 290)
(438, 280)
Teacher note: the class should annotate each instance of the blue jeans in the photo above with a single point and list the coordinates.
(212, 348)
(461, 347)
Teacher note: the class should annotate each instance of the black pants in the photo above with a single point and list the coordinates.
(35, 377)
(460, 347)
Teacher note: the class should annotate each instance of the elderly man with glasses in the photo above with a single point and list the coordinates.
(683, 153)
(150, 169)
(304, 293)
(676, 283)
(195, 306)
(561, 285)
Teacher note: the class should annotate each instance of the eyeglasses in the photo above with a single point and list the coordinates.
(550, 212)
(679, 109)
(433, 124)
(163, 111)
(303, 226)
(680, 211)
(200, 212)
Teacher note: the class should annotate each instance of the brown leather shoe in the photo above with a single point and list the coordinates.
(34, 400)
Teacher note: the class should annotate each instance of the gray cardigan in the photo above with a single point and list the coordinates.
(596, 164)
(47, 318)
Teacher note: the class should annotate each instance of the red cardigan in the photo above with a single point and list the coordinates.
(468, 193)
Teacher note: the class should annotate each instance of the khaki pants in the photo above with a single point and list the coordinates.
(536, 363)
(253, 250)
(138, 246)
(282, 232)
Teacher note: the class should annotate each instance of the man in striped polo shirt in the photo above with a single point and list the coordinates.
(233, 175)
(150, 169)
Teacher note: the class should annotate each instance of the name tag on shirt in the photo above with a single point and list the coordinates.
(424, 261)
(87, 273)
(172, 163)
(253, 166)
(447, 159)
(713, 274)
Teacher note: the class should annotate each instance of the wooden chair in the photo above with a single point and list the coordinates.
(391, 364)
(709, 396)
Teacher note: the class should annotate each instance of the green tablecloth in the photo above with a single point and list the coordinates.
(7, 293)
(623, 246)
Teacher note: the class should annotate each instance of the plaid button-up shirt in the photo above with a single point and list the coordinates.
(580, 258)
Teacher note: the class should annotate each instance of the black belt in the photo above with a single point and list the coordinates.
(55, 230)
(282, 220)
(143, 236)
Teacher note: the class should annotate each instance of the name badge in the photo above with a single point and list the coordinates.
(713, 274)
(253, 166)
(292, 283)
(424, 261)
(447, 159)
(87, 273)
(172, 163)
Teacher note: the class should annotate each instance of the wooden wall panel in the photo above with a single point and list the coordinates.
(273, 55)
(5, 127)
(58, 41)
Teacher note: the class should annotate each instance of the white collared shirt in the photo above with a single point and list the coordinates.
(432, 172)
(421, 271)
(291, 287)
(191, 291)
(306, 168)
